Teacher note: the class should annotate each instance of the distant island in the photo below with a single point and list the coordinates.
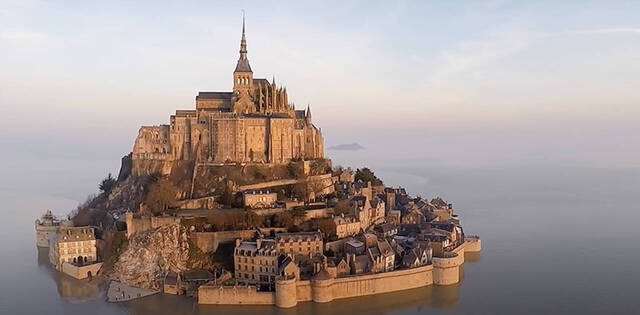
(235, 203)
(347, 147)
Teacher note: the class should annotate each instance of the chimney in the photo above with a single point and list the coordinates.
(259, 243)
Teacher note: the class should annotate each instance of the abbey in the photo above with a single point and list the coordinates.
(254, 123)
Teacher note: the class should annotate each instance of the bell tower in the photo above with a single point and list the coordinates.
(243, 76)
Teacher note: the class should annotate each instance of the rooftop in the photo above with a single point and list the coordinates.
(75, 234)
(214, 95)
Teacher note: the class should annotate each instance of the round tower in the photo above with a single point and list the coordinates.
(286, 292)
(446, 270)
(322, 287)
(473, 244)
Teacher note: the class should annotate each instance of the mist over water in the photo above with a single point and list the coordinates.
(556, 239)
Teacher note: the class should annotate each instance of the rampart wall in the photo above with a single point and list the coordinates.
(143, 223)
(235, 295)
(199, 203)
(443, 271)
(81, 272)
(209, 241)
(44, 233)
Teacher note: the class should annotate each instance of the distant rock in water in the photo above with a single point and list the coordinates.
(347, 147)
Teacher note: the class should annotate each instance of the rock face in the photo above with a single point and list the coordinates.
(150, 255)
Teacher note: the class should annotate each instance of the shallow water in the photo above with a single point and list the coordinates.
(555, 240)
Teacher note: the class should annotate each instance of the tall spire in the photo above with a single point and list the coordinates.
(243, 61)
(243, 42)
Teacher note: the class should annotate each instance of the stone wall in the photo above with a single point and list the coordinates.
(209, 241)
(269, 184)
(199, 203)
(137, 224)
(81, 272)
(335, 246)
(446, 269)
(443, 271)
(44, 233)
(328, 290)
(235, 295)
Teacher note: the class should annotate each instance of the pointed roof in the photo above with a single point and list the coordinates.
(243, 61)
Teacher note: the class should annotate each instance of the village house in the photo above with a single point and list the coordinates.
(359, 263)
(413, 215)
(287, 268)
(258, 199)
(417, 256)
(342, 268)
(368, 211)
(344, 226)
(394, 217)
(256, 262)
(386, 230)
(354, 247)
(193, 279)
(171, 283)
(73, 245)
(382, 257)
(302, 243)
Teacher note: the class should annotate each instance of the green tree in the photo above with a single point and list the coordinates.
(341, 207)
(367, 175)
(227, 195)
(161, 196)
(254, 219)
(107, 184)
(298, 213)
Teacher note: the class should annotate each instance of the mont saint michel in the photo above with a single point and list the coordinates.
(234, 203)
(336, 157)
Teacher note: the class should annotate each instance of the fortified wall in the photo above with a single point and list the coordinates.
(81, 272)
(137, 224)
(289, 291)
(209, 241)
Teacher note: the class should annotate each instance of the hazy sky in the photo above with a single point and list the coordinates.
(479, 82)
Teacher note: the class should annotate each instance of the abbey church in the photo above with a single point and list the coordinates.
(254, 123)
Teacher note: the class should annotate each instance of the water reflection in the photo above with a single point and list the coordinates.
(70, 289)
(472, 257)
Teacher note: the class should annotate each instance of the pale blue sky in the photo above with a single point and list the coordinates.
(462, 82)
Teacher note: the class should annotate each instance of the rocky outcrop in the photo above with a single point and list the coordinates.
(150, 255)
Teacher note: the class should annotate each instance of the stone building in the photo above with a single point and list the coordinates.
(259, 199)
(256, 262)
(171, 283)
(46, 227)
(253, 123)
(345, 226)
(73, 245)
(303, 243)
(382, 257)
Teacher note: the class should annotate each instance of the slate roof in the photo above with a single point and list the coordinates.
(196, 275)
(214, 95)
(243, 65)
(384, 228)
(74, 234)
(171, 278)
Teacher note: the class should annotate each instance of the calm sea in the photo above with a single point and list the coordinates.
(556, 240)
